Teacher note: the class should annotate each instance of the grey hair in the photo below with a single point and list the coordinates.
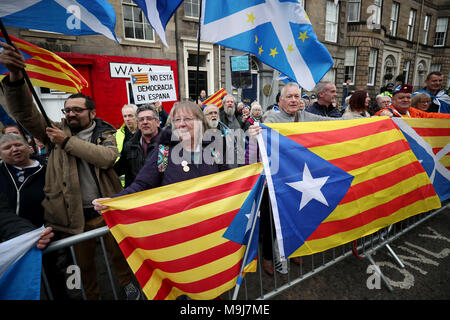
(229, 96)
(8, 137)
(204, 109)
(321, 86)
(288, 85)
(148, 106)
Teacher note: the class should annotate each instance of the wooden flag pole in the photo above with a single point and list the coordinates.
(197, 93)
(26, 77)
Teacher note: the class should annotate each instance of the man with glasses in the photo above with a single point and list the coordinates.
(79, 168)
(136, 150)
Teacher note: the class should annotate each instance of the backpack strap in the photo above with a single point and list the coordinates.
(163, 157)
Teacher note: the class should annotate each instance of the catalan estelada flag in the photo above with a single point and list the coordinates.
(46, 69)
(429, 139)
(337, 181)
(216, 98)
(139, 78)
(172, 236)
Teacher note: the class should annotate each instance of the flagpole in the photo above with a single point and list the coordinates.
(27, 79)
(197, 93)
(244, 259)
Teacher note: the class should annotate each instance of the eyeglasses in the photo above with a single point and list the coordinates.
(212, 113)
(141, 119)
(186, 120)
(76, 110)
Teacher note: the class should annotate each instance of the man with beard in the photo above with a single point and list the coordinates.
(79, 168)
(227, 114)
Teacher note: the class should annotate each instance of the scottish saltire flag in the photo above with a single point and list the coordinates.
(246, 219)
(434, 155)
(158, 14)
(278, 32)
(71, 17)
(340, 181)
(172, 236)
(46, 69)
(20, 267)
(442, 99)
(216, 98)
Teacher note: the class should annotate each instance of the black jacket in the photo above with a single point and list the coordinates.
(132, 157)
(10, 224)
(30, 193)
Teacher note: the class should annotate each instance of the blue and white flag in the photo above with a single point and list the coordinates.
(303, 187)
(438, 174)
(442, 99)
(20, 267)
(277, 32)
(71, 17)
(158, 14)
(248, 216)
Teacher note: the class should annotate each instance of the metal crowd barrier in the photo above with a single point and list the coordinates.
(259, 285)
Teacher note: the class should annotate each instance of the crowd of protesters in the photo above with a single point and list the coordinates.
(55, 174)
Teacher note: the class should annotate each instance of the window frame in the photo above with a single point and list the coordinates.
(335, 24)
(355, 59)
(372, 75)
(411, 24)
(393, 24)
(145, 23)
(358, 13)
(444, 37)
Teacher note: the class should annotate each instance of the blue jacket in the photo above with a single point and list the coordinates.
(325, 111)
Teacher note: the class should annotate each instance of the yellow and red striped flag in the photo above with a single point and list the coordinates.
(172, 236)
(216, 98)
(337, 181)
(46, 69)
(435, 132)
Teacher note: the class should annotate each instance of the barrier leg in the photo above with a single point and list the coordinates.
(377, 269)
(391, 251)
(83, 293)
(108, 268)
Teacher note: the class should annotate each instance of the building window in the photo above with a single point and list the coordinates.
(406, 68)
(350, 64)
(332, 21)
(192, 8)
(441, 32)
(379, 9)
(435, 67)
(354, 8)
(394, 19)
(426, 29)
(390, 68)
(135, 24)
(411, 22)
(330, 76)
(373, 56)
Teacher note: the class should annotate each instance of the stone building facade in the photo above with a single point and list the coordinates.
(371, 41)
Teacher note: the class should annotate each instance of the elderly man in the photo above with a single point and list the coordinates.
(137, 149)
(401, 105)
(79, 170)
(326, 96)
(211, 113)
(228, 113)
(440, 100)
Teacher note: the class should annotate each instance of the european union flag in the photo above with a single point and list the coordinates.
(248, 215)
(277, 32)
(158, 14)
(438, 174)
(81, 17)
(304, 188)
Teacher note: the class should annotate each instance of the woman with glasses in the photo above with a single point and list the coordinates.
(182, 153)
(421, 101)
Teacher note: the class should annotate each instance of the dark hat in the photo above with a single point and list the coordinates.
(305, 96)
(403, 88)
